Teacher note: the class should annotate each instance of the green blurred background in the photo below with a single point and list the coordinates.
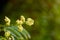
(46, 14)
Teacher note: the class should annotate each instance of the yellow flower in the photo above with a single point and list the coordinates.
(20, 28)
(7, 20)
(30, 21)
(23, 18)
(7, 34)
(19, 22)
(11, 38)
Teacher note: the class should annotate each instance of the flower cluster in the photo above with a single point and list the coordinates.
(19, 23)
(22, 20)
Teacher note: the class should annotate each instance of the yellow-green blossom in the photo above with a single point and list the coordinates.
(23, 18)
(7, 34)
(30, 21)
(7, 20)
(19, 22)
(20, 28)
(11, 38)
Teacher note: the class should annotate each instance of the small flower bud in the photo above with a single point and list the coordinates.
(11, 38)
(19, 22)
(7, 20)
(23, 18)
(20, 28)
(7, 34)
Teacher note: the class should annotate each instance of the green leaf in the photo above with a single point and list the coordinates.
(15, 33)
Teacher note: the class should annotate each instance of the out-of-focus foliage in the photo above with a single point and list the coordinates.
(46, 14)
